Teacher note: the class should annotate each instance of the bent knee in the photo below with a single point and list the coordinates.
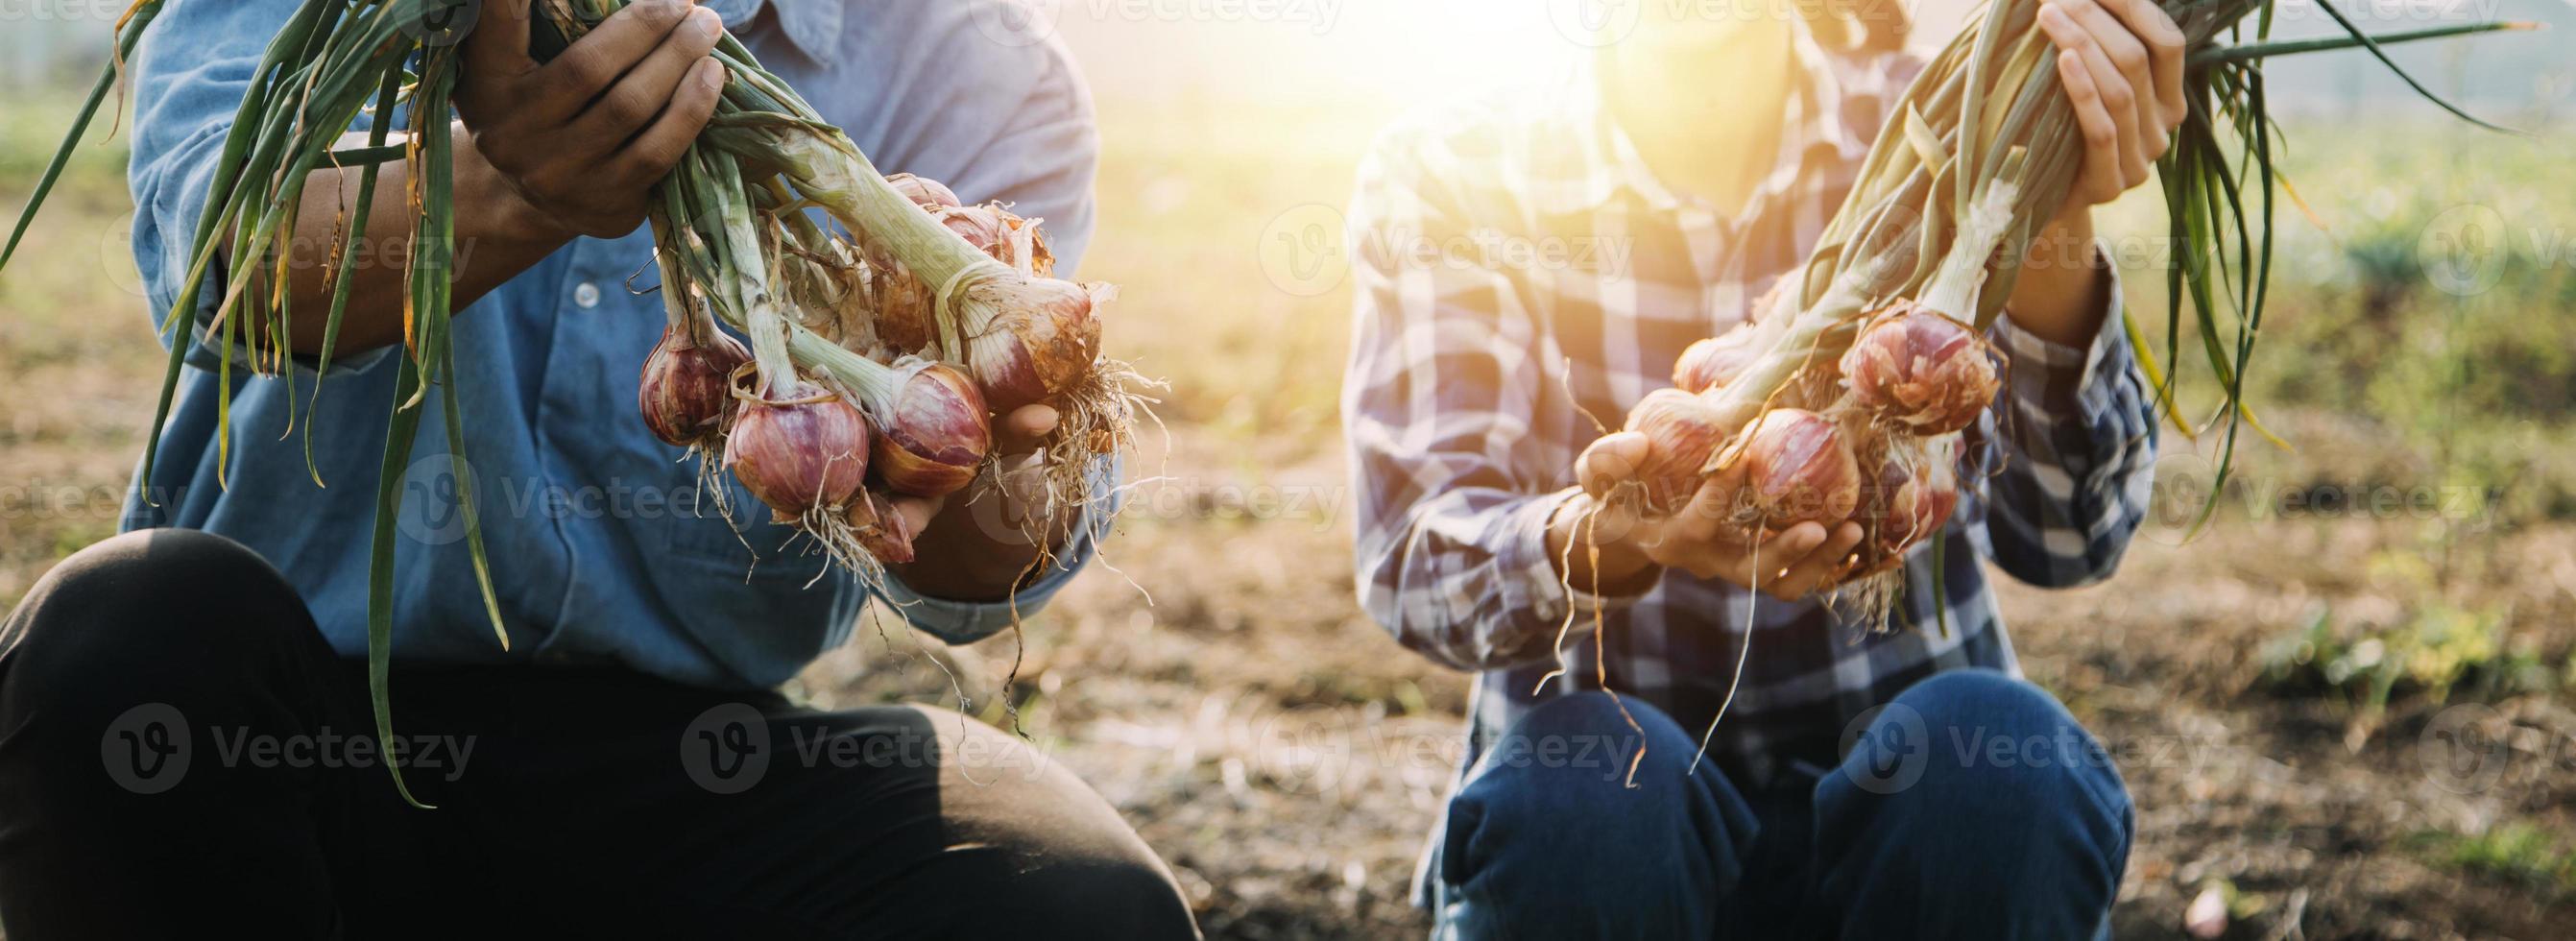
(1121, 896)
(1069, 866)
(143, 604)
(1976, 745)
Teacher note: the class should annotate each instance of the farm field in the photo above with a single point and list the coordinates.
(2355, 720)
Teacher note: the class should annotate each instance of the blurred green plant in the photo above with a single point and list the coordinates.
(2518, 852)
(2438, 648)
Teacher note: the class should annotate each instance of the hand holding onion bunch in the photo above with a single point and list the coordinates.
(1827, 430)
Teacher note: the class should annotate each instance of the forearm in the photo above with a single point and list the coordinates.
(2058, 296)
(497, 236)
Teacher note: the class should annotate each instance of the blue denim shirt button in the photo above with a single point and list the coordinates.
(586, 295)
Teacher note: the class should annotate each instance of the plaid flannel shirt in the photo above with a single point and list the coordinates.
(1519, 272)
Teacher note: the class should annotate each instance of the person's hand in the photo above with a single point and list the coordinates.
(582, 138)
(976, 544)
(1016, 484)
(2121, 63)
(1699, 539)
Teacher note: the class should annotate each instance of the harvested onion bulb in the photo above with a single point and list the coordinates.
(802, 453)
(686, 390)
(1798, 469)
(931, 429)
(1713, 362)
(880, 528)
(1680, 431)
(1921, 370)
(1029, 341)
(1916, 493)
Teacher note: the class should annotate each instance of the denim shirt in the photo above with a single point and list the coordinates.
(601, 550)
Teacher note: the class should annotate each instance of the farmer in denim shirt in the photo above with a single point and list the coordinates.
(625, 765)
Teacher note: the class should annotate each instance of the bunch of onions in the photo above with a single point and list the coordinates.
(1023, 336)
(922, 312)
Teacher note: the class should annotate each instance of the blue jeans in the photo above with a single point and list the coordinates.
(1973, 806)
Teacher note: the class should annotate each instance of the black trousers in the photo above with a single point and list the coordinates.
(181, 752)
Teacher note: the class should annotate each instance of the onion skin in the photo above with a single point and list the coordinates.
(923, 191)
(1800, 470)
(1030, 340)
(1915, 503)
(799, 455)
(881, 529)
(1715, 361)
(1681, 431)
(905, 307)
(933, 435)
(686, 389)
(1921, 370)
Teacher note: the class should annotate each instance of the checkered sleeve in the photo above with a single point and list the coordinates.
(1437, 406)
(2077, 435)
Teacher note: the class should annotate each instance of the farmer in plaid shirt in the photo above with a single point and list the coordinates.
(1533, 261)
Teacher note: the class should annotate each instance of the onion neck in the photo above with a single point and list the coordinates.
(875, 384)
(838, 177)
(1953, 290)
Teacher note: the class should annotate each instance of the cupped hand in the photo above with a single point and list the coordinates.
(583, 137)
(1699, 538)
(1016, 485)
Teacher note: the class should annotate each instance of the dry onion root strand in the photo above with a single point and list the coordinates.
(1096, 420)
